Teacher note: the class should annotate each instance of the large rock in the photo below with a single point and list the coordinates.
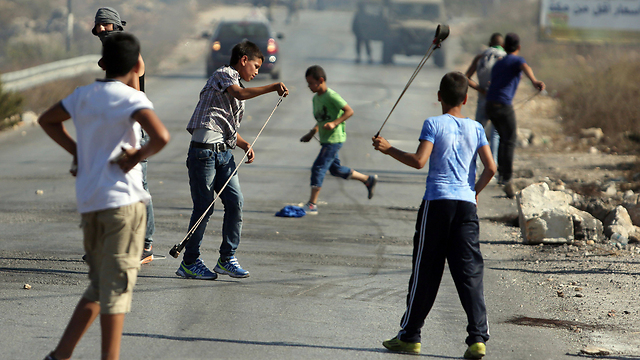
(544, 215)
(523, 138)
(633, 210)
(618, 221)
(594, 133)
(599, 208)
(547, 217)
(586, 226)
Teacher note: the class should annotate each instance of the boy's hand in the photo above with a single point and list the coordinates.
(250, 155)
(127, 159)
(539, 85)
(307, 137)
(281, 89)
(329, 126)
(74, 166)
(381, 144)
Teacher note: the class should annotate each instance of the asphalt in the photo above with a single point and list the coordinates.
(332, 286)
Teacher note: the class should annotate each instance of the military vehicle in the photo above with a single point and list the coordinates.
(405, 27)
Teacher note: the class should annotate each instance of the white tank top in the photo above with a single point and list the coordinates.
(483, 69)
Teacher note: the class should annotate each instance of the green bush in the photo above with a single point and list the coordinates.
(10, 105)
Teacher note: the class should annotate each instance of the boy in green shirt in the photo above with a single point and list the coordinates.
(330, 111)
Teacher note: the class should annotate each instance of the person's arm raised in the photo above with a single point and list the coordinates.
(529, 72)
(249, 93)
(415, 160)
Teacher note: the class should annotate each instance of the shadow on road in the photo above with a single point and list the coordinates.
(270, 343)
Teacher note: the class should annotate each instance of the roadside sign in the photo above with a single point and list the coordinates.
(612, 21)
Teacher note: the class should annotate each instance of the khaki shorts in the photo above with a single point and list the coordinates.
(113, 242)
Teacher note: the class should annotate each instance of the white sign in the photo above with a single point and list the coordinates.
(613, 20)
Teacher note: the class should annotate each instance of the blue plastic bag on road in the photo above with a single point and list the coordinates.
(291, 211)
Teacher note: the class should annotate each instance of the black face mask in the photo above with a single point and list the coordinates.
(105, 34)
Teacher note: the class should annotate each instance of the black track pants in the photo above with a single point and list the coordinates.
(446, 229)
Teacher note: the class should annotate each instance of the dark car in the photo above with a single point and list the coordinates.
(229, 33)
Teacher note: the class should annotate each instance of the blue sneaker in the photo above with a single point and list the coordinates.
(231, 268)
(197, 270)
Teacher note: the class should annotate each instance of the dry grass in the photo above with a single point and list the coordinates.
(42, 97)
(605, 98)
(10, 105)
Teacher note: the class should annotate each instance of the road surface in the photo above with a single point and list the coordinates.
(331, 286)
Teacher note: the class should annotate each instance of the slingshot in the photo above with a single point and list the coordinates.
(442, 32)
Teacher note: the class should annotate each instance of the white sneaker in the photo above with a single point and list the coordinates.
(310, 209)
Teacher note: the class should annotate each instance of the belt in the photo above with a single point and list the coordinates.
(216, 147)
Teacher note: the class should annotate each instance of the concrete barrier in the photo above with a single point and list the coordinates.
(38, 75)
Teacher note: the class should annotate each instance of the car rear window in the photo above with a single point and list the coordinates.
(417, 11)
(243, 30)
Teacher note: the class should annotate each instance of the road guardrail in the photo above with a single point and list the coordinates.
(38, 75)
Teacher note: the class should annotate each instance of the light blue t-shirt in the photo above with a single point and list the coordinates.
(452, 164)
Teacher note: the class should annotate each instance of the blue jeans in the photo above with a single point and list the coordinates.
(328, 160)
(208, 171)
(481, 117)
(151, 224)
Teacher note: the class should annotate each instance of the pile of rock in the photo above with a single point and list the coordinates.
(17, 120)
(526, 138)
(547, 217)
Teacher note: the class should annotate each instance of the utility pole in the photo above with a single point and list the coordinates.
(69, 26)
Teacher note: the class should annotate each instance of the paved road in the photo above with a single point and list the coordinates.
(330, 286)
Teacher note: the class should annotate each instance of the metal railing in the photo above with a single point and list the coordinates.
(38, 75)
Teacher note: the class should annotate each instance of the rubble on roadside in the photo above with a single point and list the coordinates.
(546, 216)
(16, 121)
(551, 213)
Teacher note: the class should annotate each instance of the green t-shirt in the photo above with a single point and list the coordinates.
(328, 107)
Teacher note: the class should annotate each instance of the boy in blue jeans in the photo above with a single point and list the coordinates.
(447, 226)
(330, 111)
(214, 133)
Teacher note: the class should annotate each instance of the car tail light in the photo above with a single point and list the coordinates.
(215, 46)
(272, 47)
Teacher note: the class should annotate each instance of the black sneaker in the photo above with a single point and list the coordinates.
(371, 184)
(147, 255)
(50, 357)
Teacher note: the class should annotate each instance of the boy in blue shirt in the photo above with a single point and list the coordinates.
(505, 77)
(447, 226)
